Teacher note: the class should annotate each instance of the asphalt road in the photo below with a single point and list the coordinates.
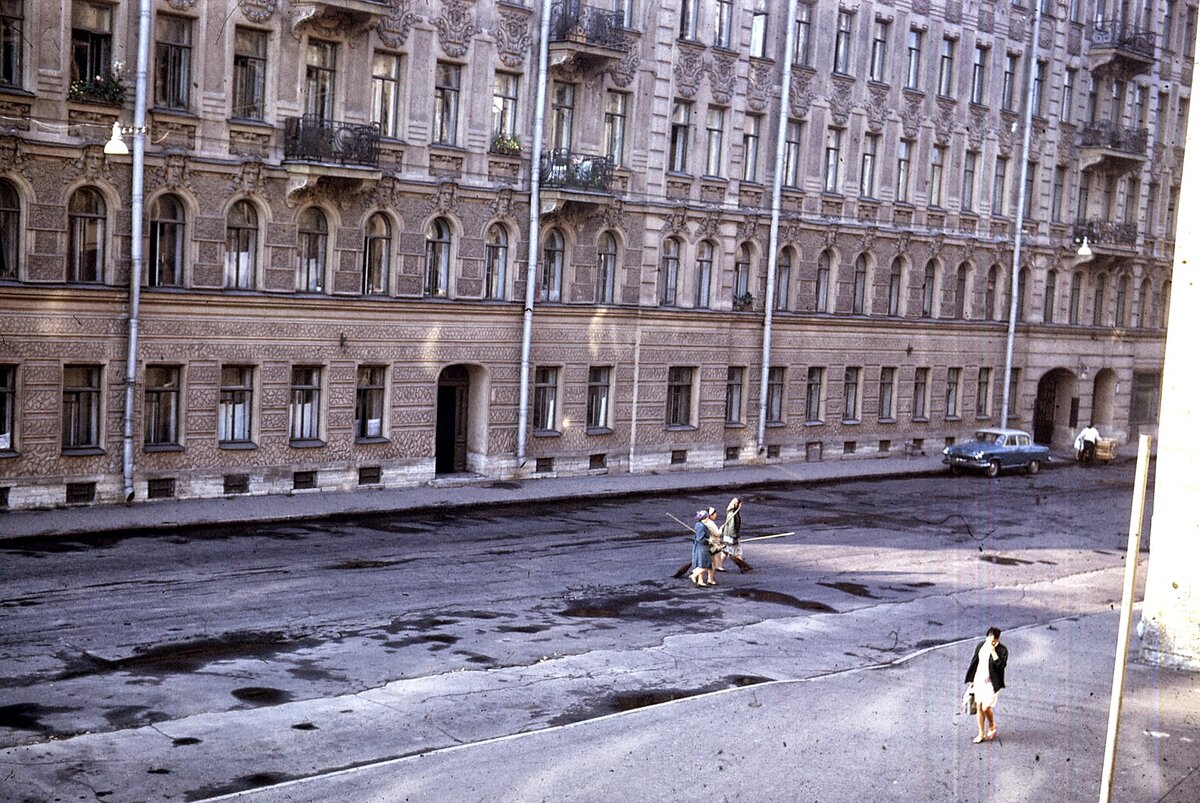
(204, 661)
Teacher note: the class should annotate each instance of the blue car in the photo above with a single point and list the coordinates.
(994, 450)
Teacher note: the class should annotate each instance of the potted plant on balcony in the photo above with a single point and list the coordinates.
(506, 144)
(743, 301)
(106, 88)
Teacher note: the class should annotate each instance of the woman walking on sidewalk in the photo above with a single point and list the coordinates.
(986, 676)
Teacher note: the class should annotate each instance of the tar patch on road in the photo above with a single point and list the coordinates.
(758, 595)
(622, 701)
(188, 656)
(1001, 561)
(262, 696)
(857, 589)
(28, 716)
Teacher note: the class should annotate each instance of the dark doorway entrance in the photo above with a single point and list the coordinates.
(450, 440)
(1043, 409)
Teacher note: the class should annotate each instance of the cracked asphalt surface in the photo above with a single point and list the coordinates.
(198, 662)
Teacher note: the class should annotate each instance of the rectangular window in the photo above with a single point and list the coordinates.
(946, 69)
(750, 137)
(758, 30)
(735, 379)
(249, 73)
(937, 165)
(1008, 89)
(879, 42)
(91, 46)
(723, 24)
(162, 405)
(172, 61)
(833, 159)
(385, 93)
(814, 388)
(689, 16)
(912, 76)
(1075, 298)
(504, 110)
(791, 153)
(1039, 87)
(953, 378)
(1030, 183)
(447, 84)
(841, 43)
(320, 74)
(999, 180)
(979, 74)
(368, 402)
(681, 120)
(903, 169)
(775, 379)
(1141, 106)
(237, 395)
(920, 408)
(1068, 95)
(679, 396)
(802, 54)
(887, 393)
(1093, 99)
(715, 141)
(1014, 385)
(12, 43)
(562, 116)
(81, 407)
(866, 177)
(970, 158)
(599, 382)
(983, 393)
(304, 412)
(8, 408)
(1056, 196)
(545, 399)
(850, 394)
(615, 110)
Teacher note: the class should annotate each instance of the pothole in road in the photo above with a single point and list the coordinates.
(1002, 561)
(758, 595)
(28, 716)
(186, 657)
(185, 741)
(856, 589)
(261, 695)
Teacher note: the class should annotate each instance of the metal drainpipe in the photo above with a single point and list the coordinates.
(137, 182)
(1016, 261)
(773, 243)
(535, 229)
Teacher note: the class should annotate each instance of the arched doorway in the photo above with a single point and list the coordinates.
(1056, 410)
(450, 440)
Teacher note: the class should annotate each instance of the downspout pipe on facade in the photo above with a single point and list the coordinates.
(773, 243)
(535, 229)
(137, 186)
(1014, 293)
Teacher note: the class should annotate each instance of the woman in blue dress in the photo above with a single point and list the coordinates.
(702, 565)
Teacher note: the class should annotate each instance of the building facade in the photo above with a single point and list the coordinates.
(334, 269)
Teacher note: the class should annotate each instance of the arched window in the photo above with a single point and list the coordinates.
(1050, 297)
(704, 273)
(1122, 302)
(822, 290)
(495, 262)
(860, 284)
(962, 306)
(10, 230)
(1074, 298)
(314, 239)
(87, 216)
(669, 272)
(1164, 304)
(437, 258)
(928, 289)
(241, 246)
(377, 254)
(741, 276)
(1145, 304)
(606, 268)
(165, 268)
(895, 286)
(783, 279)
(989, 297)
(1022, 293)
(1100, 300)
(552, 267)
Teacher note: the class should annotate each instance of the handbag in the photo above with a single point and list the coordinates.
(969, 701)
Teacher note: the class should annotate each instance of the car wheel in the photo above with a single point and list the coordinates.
(1034, 467)
(993, 468)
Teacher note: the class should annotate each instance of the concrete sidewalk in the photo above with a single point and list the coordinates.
(451, 492)
(892, 732)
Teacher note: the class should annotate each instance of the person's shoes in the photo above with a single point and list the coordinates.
(977, 740)
(720, 570)
(991, 734)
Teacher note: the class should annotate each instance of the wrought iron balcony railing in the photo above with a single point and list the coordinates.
(317, 140)
(566, 170)
(572, 21)
(1106, 232)
(1115, 137)
(1122, 36)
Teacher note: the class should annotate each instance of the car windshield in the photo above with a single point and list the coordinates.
(983, 436)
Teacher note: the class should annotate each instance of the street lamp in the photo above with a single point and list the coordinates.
(116, 144)
(1085, 250)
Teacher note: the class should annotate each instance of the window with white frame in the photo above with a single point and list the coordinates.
(369, 392)
(822, 288)
(162, 405)
(1119, 320)
(704, 273)
(903, 169)
(758, 30)
(850, 385)
(866, 173)
(495, 263)
(983, 393)
(735, 389)
(313, 234)
(723, 24)
(606, 268)
(859, 301)
(438, 242)
(791, 153)
(841, 42)
(10, 230)
(1008, 86)
(887, 394)
(562, 116)
(750, 139)
(783, 278)
(714, 141)
(979, 74)
(241, 246)
(970, 161)
(928, 290)
(937, 166)
(814, 395)
(320, 81)
(91, 45)
(8, 408)
(545, 399)
(999, 182)
(895, 286)
(1050, 298)
(879, 43)
(912, 75)
(377, 254)
(1068, 94)
(167, 242)
(946, 68)
(447, 86)
(235, 416)
(615, 112)
(249, 99)
(961, 306)
(81, 407)
(599, 388)
(87, 218)
(833, 159)
(775, 385)
(990, 295)
(385, 93)
(304, 411)
(550, 286)
(920, 408)
(681, 119)
(1075, 298)
(12, 43)
(689, 19)
(802, 47)
(669, 272)
(172, 61)
(741, 273)
(504, 107)
(679, 396)
(1099, 300)
(953, 386)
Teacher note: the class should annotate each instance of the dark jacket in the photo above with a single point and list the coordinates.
(995, 667)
